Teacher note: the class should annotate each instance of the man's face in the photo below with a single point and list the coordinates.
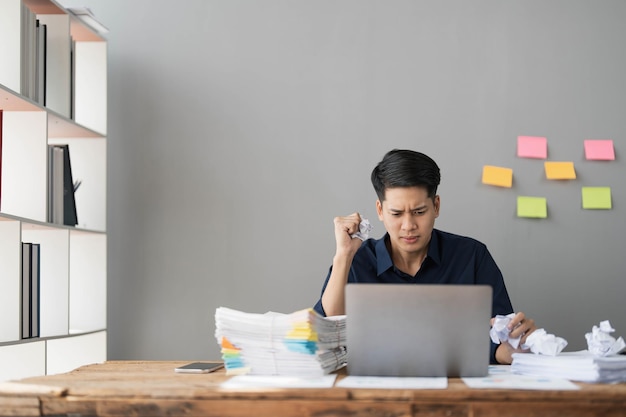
(409, 217)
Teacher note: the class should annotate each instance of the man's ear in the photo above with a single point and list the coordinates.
(379, 210)
(437, 203)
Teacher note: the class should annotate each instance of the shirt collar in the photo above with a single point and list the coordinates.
(384, 257)
(434, 249)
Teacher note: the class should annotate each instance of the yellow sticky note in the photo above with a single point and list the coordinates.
(596, 198)
(535, 207)
(560, 170)
(501, 177)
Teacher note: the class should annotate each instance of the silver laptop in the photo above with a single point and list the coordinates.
(418, 330)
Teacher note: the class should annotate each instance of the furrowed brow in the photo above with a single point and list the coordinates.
(420, 208)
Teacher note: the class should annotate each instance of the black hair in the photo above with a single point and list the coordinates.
(406, 168)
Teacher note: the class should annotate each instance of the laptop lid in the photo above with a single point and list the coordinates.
(418, 330)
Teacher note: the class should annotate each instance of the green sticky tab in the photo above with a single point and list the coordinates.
(535, 207)
(596, 198)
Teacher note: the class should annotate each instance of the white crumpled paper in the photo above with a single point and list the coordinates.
(601, 343)
(364, 230)
(539, 341)
(500, 333)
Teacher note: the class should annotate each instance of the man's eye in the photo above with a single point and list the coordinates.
(419, 212)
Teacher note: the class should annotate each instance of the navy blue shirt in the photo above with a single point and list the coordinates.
(451, 259)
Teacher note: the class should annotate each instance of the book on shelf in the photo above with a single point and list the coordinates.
(27, 54)
(35, 280)
(26, 260)
(69, 200)
(30, 290)
(61, 187)
(40, 64)
(55, 184)
(0, 156)
(58, 62)
(33, 56)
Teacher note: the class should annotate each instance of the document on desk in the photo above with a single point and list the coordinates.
(501, 377)
(300, 344)
(278, 381)
(575, 366)
(390, 382)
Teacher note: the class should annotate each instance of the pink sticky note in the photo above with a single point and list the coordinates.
(532, 147)
(599, 149)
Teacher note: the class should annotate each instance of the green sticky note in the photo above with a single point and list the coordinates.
(596, 198)
(535, 207)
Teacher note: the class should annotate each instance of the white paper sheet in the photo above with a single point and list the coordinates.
(574, 366)
(500, 377)
(387, 382)
(278, 381)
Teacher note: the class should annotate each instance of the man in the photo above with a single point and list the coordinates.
(412, 250)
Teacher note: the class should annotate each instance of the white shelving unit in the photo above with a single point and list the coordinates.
(73, 275)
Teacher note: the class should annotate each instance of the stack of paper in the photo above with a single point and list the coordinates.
(576, 366)
(301, 343)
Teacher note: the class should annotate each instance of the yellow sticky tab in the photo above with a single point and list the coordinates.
(560, 170)
(534, 207)
(596, 198)
(498, 176)
(302, 334)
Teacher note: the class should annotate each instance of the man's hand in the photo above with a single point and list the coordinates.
(520, 326)
(345, 227)
(333, 299)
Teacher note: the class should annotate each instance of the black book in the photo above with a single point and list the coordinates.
(40, 63)
(61, 200)
(0, 155)
(55, 184)
(34, 289)
(26, 290)
(69, 202)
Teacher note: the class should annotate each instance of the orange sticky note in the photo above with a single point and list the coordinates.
(599, 149)
(560, 170)
(532, 147)
(498, 176)
(226, 344)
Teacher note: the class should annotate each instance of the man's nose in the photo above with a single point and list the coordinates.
(408, 223)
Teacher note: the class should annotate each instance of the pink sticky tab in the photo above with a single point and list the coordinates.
(599, 149)
(532, 147)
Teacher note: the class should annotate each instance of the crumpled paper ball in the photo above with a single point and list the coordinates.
(364, 230)
(601, 343)
(538, 342)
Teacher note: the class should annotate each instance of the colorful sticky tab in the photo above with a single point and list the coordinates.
(532, 147)
(599, 149)
(560, 170)
(596, 198)
(226, 344)
(535, 207)
(498, 176)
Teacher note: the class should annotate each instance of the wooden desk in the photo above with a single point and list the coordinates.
(139, 388)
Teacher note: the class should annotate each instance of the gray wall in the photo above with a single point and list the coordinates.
(240, 128)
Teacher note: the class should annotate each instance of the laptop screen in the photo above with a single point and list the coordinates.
(418, 330)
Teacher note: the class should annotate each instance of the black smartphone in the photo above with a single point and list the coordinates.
(200, 367)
